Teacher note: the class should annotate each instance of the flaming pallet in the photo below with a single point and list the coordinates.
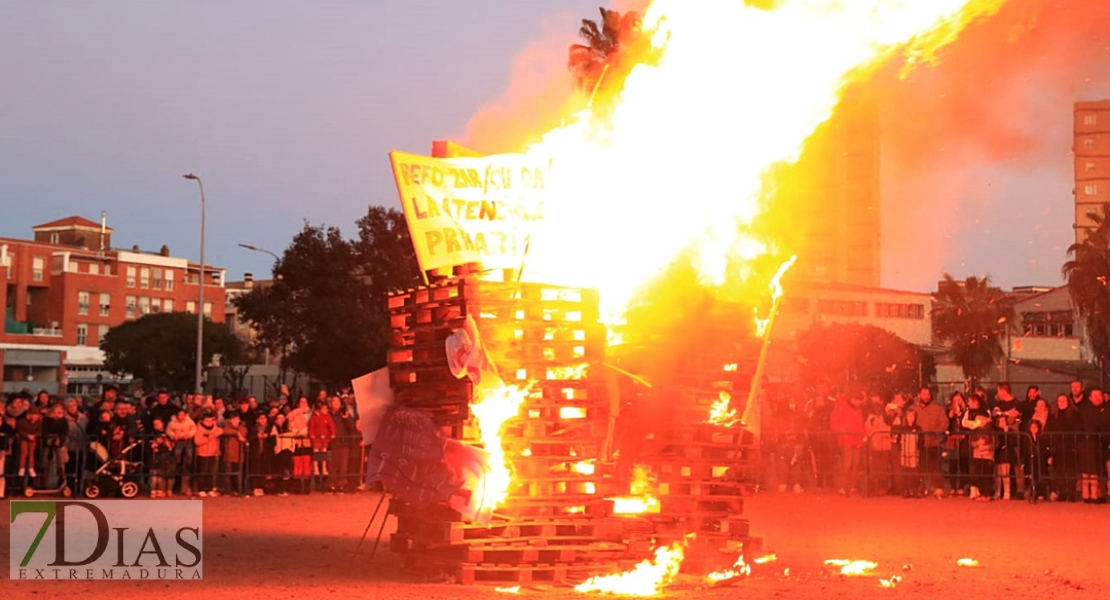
(556, 525)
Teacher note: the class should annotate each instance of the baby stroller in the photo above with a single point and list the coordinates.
(112, 476)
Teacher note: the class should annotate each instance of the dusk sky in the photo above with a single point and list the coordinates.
(287, 110)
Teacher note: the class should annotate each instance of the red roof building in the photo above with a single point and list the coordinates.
(62, 290)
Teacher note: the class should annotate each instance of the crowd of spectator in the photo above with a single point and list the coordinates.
(984, 447)
(185, 445)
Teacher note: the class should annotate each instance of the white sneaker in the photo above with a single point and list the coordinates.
(22, 473)
(202, 494)
(213, 494)
(798, 488)
(258, 491)
(782, 487)
(32, 473)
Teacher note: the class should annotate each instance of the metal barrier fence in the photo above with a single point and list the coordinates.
(149, 464)
(1057, 465)
(988, 464)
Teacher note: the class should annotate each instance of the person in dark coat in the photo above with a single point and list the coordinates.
(1093, 416)
(1062, 433)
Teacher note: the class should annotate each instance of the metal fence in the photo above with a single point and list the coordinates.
(986, 464)
(156, 466)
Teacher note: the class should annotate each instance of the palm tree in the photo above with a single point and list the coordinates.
(1087, 274)
(972, 318)
(603, 45)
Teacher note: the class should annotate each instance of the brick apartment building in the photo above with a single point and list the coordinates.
(67, 286)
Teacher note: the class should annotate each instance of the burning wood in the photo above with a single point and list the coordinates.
(508, 590)
(967, 562)
(852, 567)
(491, 411)
(739, 569)
(722, 412)
(643, 498)
(646, 579)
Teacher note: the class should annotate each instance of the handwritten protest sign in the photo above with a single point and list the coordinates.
(470, 210)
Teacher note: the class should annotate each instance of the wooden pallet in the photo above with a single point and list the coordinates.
(572, 574)
(516, 553)
(562, 530)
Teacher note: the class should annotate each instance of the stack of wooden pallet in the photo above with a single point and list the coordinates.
(556, 525)
(701, 469)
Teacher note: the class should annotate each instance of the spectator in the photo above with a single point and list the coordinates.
(910, 443)
(1078, 394)
(978, 423)
(29, 432)
(161, 452)
(847, 423)
(261, 454)
(321, 432)
(55, 435)
(880, 446)
(162, 409)
(345, 444)
(956, 452)
(821, 441)
(934, 422)
(207, 440)
(1005, 455)
(1036, 460)
(235, 440)
(284, 445)
(7, 437)
(1062, 439)
(182, 431)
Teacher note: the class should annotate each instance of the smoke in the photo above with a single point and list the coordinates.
(970, 144)
(541, 91)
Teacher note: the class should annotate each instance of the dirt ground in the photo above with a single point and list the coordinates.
(302, 547)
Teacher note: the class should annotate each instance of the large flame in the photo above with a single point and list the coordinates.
(674, 160)
(495, 406)
(643, 494)
(722, 413)
(646, 579)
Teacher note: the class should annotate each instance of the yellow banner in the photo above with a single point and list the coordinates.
(470, 210)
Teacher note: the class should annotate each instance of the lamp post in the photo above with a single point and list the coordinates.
(198, 389)
(263, 250)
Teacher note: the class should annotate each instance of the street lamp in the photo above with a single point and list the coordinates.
(257, 249)
(200, 301)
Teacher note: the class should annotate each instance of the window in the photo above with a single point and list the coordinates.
(899, 311)
(94, 268)
(157, 278)
(144, 306)
(144, 278)
(130, 307)
(842, 308)
(130, 277)
(1090, 119)
(156, 305)
(38, 268)
(1091, 189)
(208, 309)
(82, 334)
(55, 238)
(101, 331)
(1089, 166)
(191, 307)
(167, 305)
(169, 280)
(1057, 323)
(82, 303)
(1089, 143)
(105, 305)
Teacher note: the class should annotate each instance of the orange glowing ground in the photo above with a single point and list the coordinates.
(302, 547)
